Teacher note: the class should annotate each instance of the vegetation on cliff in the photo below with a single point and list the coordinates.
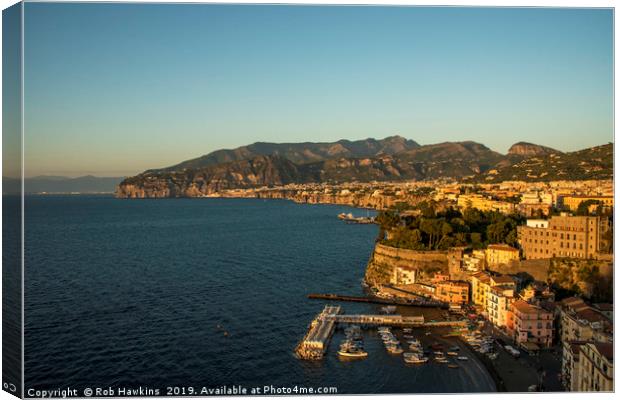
(440, 230)
(587, 278)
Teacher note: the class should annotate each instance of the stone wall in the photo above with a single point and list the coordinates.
(385, 259)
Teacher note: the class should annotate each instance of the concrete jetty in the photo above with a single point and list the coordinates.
(314, 344)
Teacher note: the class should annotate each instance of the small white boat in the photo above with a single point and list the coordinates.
(462, 358)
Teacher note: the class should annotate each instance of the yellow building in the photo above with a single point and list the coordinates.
(483, 203)
(482, 284)
(480, 288)
(572, 202)
(497, 254)
(596, 370)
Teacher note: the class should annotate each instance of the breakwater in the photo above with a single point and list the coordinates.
(377, 300)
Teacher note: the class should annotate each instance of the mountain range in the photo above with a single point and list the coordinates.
(391, 159)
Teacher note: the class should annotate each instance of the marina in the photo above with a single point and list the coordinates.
(314, 344)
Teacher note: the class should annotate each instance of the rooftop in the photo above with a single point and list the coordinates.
(502, 247)
(606, 350)
(527, 308)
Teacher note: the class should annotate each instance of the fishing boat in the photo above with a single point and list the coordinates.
(452, 353)
(462, 358)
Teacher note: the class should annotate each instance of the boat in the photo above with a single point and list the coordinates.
(353, 352)
(441, 360)
(452, 366)
(462, 358)
(395, 349)
(407, 330)
(413, 358)
(452, 353)
(438, 353)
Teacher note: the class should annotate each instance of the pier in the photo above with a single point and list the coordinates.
(314, 344)
(320, 331)
(377, 300)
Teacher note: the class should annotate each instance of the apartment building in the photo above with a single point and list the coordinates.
(570, 364)
(529, 324)
(479, 288)
(572, 202)
(499, 300)
(453, 292)
(497, 254)
(580, 322)
(483, 203)
(596, 368)
(562, 236)
(483, 282)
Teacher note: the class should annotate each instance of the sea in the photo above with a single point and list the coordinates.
(194, 294)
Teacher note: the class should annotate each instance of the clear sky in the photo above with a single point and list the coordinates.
(114, 89)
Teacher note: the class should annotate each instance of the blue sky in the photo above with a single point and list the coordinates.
(114, 89)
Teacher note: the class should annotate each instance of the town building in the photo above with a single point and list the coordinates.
(572, 202)
(596, 368)
(483, 203)
(453, 292)
(531, 326)
(499, 300)
(481, 285)
(581, 322)
(562, 236)
(497, 254)
(570, 364)
(403, 276)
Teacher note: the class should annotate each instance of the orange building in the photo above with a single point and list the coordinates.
(453, 292)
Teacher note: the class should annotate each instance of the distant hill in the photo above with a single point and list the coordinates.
(593, 163)
(390, 159)
(531, 150)
(61, 184)
(302, 153)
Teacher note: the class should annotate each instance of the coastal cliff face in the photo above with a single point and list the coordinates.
(385, 260)
(259, 171)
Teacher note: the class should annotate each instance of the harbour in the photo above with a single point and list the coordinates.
(315, 343)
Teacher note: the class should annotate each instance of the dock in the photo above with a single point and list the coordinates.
(395, 320)
(377, 300)
(314, 344)
(320, 331)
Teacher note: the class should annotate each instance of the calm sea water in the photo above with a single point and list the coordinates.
(129, 293)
